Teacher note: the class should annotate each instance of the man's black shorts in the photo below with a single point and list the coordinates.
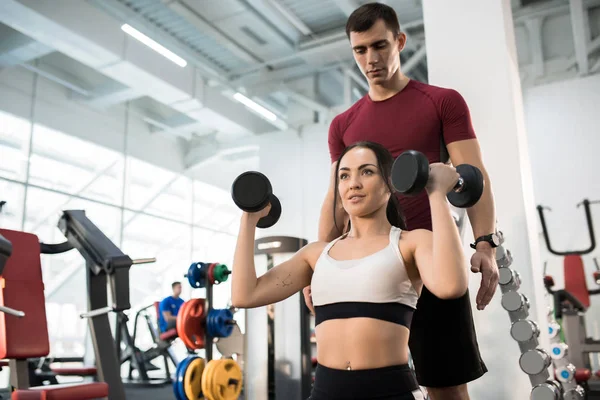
(443, 342)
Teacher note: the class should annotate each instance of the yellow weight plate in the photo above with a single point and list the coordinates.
(227, 380)
(192, 380)
(206, 380)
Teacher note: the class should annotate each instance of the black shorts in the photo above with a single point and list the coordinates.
(397, 382)
(443, 342)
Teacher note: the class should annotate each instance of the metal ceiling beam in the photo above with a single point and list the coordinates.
(17, 48)
(59, 76)
(284, 75)
(291, 17)
(203, 152)
(415, 59)
(111, 94)
(347, 6)
(206, 27)
(534, 28)
(547, 9)
(581, 34)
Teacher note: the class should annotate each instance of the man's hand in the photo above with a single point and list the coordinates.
(483, 261)
(308, 299)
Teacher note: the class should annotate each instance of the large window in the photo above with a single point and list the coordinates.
(145, 210)
(11, 214)
(64, 163)
(15, 133)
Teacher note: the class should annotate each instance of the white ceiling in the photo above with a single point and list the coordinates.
(289, 55)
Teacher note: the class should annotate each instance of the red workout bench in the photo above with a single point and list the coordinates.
(22, 288)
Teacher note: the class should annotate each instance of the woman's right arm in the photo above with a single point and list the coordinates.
(439, 254)
(279, 283)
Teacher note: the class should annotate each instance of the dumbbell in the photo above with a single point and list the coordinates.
(251, 192)
(410, 173)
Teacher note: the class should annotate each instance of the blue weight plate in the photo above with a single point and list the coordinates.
(210, 327)
(181, 374)
(224, 329)
(190, 275)
(176, 381)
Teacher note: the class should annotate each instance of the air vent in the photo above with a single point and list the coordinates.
(253, 35)
(525, 3)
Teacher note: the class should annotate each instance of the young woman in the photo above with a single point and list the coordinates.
(365, 284)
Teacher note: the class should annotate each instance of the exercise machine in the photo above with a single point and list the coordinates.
(106, 265)
(141, 361)
(571, 304)
(23, 325)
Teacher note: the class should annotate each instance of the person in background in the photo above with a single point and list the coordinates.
(169, 307)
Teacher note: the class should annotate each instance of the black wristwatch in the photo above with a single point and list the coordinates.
(493, 239)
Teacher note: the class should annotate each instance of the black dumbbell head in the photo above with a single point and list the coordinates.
(273, 216)
(410, 172)
(251, 191)
(472, 187)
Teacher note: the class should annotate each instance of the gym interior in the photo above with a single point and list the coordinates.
(124, 124)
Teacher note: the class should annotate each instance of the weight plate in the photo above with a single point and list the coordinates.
(181, 318)
(207, 377)
(273, 216)
(176, 382)
(410, 172)
(524, 330)
(192, 381)
(211, 273)
(251, 190)
(179, 376)
(227, 380)
(533, 362)
(545, 391)
(221, 273)
(473, 187)
(191, 328)
(232, 344)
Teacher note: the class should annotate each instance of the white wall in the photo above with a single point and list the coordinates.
(563, 126)
(298, 168)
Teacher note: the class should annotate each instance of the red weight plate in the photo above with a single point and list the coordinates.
(211, 273)
(193, 324)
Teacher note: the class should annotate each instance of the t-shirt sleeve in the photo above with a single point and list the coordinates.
(164, 305)
(336, 144)
(456, 117)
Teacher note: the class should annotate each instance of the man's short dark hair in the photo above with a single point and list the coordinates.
(365, 16)
(175, 284)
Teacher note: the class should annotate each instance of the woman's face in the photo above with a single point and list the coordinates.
(360, 183)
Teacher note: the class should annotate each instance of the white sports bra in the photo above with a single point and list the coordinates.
(375, 286)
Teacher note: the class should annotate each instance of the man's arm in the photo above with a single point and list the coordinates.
(482, 217)
(168, 316)
(328, 230)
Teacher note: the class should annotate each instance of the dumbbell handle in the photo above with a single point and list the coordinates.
(12, 311)
(97, 312)
(460, 185)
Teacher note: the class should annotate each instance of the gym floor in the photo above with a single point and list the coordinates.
(149, 393)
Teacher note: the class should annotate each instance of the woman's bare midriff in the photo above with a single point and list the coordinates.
(363, 342)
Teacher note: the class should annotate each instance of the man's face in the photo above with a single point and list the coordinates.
(377, 53)
(177, 290)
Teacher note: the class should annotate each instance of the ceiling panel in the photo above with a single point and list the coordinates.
(174, 24)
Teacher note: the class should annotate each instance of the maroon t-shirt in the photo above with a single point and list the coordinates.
(421, 117)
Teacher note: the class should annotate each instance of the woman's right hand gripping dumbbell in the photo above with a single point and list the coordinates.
(254, 217)
(442, 179)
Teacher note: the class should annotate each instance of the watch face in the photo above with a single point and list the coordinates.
(495, 239)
